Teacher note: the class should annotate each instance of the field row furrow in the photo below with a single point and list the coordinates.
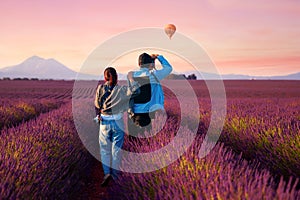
(16, 111)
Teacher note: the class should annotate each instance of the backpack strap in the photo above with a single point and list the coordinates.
(155, 77)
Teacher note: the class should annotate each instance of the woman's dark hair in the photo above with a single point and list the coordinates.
(145, 59)
(110, 75)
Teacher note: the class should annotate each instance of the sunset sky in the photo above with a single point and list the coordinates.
(259, 37)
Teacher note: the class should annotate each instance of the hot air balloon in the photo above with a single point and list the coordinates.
(170, 30)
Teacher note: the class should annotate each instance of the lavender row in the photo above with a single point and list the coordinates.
(15, 111)
(267, 130)
(43, 158)
(220, 175)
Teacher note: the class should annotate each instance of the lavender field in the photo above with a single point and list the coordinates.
(257, 155)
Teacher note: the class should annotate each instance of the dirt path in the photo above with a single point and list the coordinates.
(93, 189)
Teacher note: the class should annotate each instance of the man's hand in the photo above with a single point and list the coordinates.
(154, 56)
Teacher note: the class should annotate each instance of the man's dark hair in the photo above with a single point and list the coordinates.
(145, 59)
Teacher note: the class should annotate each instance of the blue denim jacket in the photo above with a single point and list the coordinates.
(157, 97)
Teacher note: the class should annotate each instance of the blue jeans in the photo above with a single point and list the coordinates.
(111, 138)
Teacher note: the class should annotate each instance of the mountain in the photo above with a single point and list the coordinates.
(295, 76)
(37, 67)
(211, 76)
(204, 75)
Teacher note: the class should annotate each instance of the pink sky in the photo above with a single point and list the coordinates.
(260, 37)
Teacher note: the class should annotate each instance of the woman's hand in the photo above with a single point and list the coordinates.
(99, 118)
(130, 76)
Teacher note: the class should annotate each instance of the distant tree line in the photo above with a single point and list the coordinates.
(191, 77)
(182, 77)
(18, 79)
(171, 76)
(29, 79)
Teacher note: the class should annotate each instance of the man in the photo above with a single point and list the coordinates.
(151, 97)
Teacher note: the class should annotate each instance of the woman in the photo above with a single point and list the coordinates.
(111, 101)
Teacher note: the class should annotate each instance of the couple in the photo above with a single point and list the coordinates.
(142, 97)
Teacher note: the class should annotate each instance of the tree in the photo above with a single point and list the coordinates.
(192, 77)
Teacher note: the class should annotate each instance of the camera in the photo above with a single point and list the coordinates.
(96, 119)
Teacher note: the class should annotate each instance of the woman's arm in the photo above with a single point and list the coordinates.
(96, 102)
(133, 88)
